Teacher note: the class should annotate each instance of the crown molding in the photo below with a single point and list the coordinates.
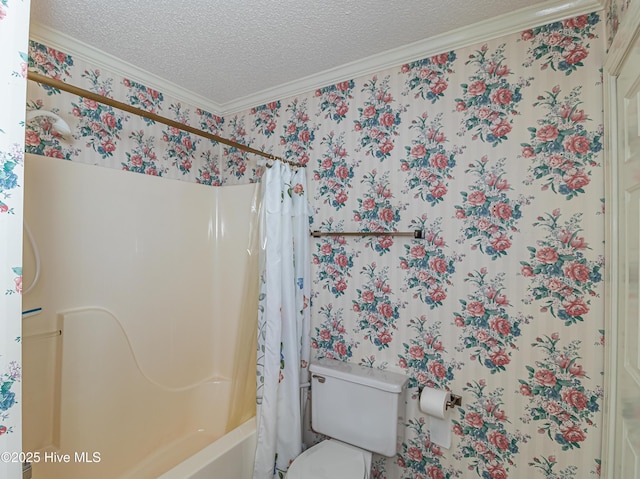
(624, 40)
(502, 25)
(100, 59)
(480, 32)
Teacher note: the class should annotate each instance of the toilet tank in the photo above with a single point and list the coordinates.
(358, 405)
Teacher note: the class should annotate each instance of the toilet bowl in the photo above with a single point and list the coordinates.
(331, 459)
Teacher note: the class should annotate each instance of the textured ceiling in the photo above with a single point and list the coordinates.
(226, 50)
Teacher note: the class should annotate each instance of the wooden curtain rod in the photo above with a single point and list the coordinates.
(60, 85)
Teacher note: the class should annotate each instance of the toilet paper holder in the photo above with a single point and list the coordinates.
(454, 399)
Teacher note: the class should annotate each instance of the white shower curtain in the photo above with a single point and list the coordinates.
(283, 319)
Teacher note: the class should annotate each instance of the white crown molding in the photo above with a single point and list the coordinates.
(482, 31)
(624, 40)
(100, 59)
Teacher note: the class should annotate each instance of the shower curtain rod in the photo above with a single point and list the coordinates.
(60, 85)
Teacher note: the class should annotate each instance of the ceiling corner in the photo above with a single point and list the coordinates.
(98, 58)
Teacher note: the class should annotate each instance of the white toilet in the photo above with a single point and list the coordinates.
(361, 409)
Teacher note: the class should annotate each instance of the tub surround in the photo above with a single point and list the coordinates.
(134, 355)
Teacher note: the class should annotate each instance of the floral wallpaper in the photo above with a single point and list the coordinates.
(615, 10)
(14, 22)
(108, 137)
(494, 152)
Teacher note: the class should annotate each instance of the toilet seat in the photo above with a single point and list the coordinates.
(331, 459)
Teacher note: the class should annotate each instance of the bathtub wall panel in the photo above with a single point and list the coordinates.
(169, 261)
(241, 297)
(139, 246)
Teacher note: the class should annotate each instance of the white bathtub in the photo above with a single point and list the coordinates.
(230, 457)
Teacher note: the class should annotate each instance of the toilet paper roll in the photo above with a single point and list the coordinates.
(433, 403)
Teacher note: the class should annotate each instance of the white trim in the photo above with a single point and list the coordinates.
(620, 48)
(482, 31)
(99, 59)
(611, 278)
(625, 37)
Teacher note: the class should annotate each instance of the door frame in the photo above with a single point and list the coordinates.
(618, 51)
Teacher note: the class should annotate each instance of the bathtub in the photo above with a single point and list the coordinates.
(231, 456)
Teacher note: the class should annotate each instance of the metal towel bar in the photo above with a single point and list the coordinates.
(417, 234)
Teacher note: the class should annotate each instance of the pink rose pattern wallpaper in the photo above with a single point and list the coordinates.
(14, 26)
(614, 11)
(494, 152)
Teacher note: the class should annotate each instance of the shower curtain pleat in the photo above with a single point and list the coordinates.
(283, 319)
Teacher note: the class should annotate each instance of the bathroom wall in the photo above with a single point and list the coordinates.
(615, 11)
(104, 136)
(14, 28)
(495, 151)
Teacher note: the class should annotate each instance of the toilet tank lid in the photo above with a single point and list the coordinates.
(355, 373)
